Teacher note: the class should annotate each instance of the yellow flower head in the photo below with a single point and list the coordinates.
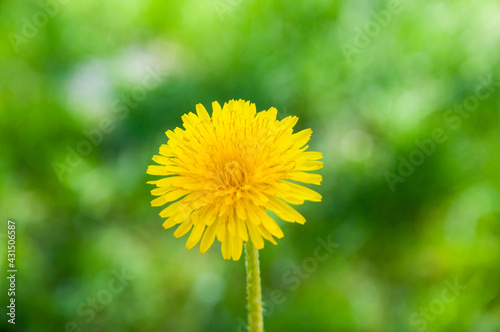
(223, 172)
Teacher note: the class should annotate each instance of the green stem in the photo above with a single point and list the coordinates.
(254, 294)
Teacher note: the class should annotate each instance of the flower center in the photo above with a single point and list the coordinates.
(233, 173)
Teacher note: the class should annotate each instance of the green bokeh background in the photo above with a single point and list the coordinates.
(368, 90)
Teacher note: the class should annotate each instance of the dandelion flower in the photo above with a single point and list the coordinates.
(222, 172)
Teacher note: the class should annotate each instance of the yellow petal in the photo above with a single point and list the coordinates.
(301, 138)
(285, 211)
(289, 122)
(162, 160)
(272, 113)
(160, 191)
(253, 214)
(309, 166)
(305, 177)
(183, 228)
(221, 231)
(226, 246)
(270, 224)
(202, 112)
(231, 227)
(255, 235)
(241, 229)
(312, 155)
(237, 245)
(169, 197)
(171, 222)
(289, 189)
(165, 150)
(196, 233)
(290, 199)
(208, 237)
(173, 209)
(158, 170)
(216, 109)
(265, 233)
(240, 210)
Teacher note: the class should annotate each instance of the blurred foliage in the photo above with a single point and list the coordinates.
(368, 81)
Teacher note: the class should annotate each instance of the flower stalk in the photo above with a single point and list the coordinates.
(254, 293)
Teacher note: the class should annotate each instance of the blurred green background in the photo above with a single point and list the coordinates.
(403, 98)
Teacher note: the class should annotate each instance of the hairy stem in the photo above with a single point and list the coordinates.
(254, 293)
